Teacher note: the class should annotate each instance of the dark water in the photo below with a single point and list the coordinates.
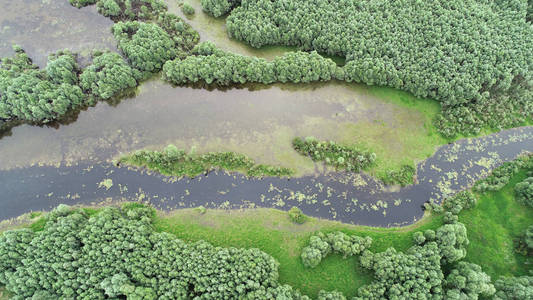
(350, 198)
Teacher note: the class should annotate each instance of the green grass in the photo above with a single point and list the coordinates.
(273, 232)
(493, 225)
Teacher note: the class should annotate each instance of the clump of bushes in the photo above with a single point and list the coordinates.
(524, 191)
(123, 10)
(341, 157)
(321, 245)
(296, 215)
(187, 9)
(460, 201)
(108, 75)
(184, 36)
(146, 45)
(331, 295)
(511, 288)
(40, 96)
(175, 162)
(500, 176)
(212, 65)
(403, 177)
(218, 8)
(116, 253)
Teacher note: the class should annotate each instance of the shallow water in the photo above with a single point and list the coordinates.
(350, 198)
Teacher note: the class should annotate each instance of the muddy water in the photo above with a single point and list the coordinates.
(42, 27)
(350, 198)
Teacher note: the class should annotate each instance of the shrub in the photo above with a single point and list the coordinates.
(146, 45)
(342, 157)
(468, 281)
(187, 9)
(296, 215)
(524, 191)
(331, 295)
(108, 75)
(460, 201)
(320, 245)
(218, 8)
(403, 177)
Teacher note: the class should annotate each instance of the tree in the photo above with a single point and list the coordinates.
(108, 75)
(468, 281)
(514, 288)
(524, 191)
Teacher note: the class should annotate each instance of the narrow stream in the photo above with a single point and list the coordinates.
(350, 198)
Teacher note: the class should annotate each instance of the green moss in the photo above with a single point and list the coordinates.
(174, 161)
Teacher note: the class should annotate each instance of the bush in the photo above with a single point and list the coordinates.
(524, 191)
(460, 201)
(500, 176)
(212, 65)
(296, 215)
(187, 9)
(146, 45)
(342, 157)
(332, 295)
(40, 96)
(402, 177)
(123, 10)
(320, 245)
(174, 161)
(218, 8)
(108, 75)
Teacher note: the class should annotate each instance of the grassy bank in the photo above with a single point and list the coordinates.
(493, 225)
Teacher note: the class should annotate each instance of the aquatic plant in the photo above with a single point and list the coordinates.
(339, 156)
(174, 161)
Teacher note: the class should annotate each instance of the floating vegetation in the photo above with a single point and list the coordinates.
(174, 161)
(107, 183)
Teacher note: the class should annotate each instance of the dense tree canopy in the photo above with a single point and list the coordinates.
(219, 8)
(467, 54)
(468, 281)
(212, 65)
(108, 75)
(126, 9)
(117, 254)
(514, 288)
(30, 94)
(146, 45)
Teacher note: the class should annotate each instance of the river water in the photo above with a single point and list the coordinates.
(41, 167)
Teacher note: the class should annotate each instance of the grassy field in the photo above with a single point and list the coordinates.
(492, 226)
(271, 231)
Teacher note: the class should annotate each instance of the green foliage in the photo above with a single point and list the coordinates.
(131, 9)
(187, 9)
(341, 157)
(82, 3)
(473, 56)
(524, 191)
(146, 45)
(219, 8)
(184, 36)
(108, 75)
(501, 175)
(320, 245)
(296, 215)
(174, 161)
(403, 177)
(468, 281)
(117, 254)
(460, 201)
(212, 65)
(332, 295)
(41, 96)
(514, 288)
